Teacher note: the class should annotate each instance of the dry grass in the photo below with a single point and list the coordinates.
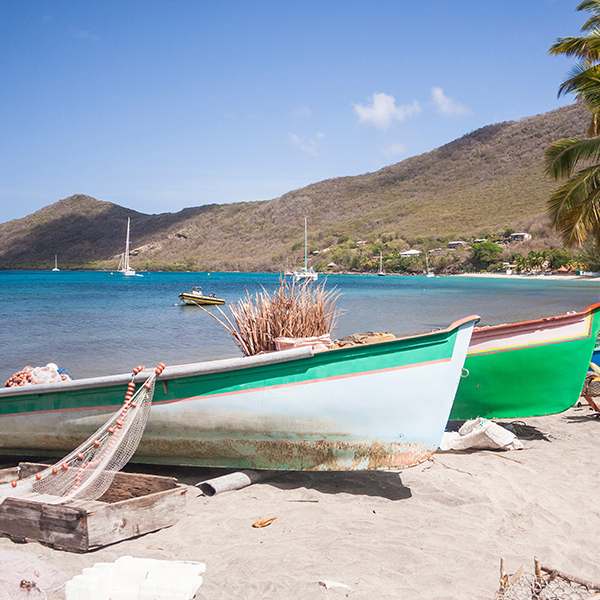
(293, 311)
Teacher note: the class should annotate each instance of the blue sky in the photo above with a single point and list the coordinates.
(158, 106)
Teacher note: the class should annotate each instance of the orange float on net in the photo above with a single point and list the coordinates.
(65, 466)
(38, 475)
(54, 470)
(119, 423)
(147, 385)
(80, 456)
(134, 404)
(96, 443)
(13, 483)
(111, 430)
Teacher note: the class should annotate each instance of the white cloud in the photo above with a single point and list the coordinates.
(446, 106)
(393, 149)
(308, 146)
(383, 111)
(84, 34)
(302, 111)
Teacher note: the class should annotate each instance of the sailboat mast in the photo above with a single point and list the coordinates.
(127, 246)
(305, 245)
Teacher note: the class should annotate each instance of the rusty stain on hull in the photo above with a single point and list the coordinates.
(320, 455)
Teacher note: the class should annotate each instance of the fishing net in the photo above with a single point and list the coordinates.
(87, 472)
(549, 585)
(591, 388)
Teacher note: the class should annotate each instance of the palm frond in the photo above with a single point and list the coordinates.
(586, 48)
(574, 208)
(582, 79)
(564, 156)
(593, 7)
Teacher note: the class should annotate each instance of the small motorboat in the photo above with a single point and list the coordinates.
(195, 296)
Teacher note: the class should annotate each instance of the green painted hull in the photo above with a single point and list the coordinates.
(527, 369)
(368, 407)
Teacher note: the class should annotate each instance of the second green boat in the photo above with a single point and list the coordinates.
(527, 369)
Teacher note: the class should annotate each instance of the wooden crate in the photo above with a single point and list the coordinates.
(133, 505)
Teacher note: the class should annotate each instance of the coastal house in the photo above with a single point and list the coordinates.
(410, 253)
(456, 244)
(520, 237)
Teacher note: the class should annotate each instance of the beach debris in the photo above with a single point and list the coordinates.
(291, 311)
(481, 434)
(544, 583)
(233, 481)
(316, 342)
(328, 585)
(87, 472)
(24, 575)
(51, 373)
(140, 578)
(591, 387)
(263, 522)
(357, 339)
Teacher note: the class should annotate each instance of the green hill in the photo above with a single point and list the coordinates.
(479, 184)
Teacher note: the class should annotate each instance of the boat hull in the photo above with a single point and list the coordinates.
(527, 369)
(192, 299)
(377, 406)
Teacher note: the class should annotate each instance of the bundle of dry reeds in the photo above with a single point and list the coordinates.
(293, 311)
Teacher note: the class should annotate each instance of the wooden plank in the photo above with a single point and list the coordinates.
(134, 504)
(56, 525)
(115, 522)
(8, 475)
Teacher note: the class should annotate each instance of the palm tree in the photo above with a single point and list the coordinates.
(519, 261)
(574, 208)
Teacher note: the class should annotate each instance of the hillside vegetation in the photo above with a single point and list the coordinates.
(478, 186)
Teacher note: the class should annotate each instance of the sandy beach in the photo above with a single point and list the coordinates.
(501, 275)
(437, 530)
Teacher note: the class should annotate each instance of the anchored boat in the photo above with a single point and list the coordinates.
(124, 260)
(195, 296)
(375, 406)
(526, 369)
(305, 273)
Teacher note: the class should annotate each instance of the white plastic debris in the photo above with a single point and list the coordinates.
(480, 434)
(131, 578)
(321, 342)
(333, 584)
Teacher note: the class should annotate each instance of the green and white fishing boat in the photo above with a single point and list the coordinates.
(376, 406)
(527, 369)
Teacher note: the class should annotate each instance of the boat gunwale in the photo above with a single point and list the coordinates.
(222, 365)
(485, 328)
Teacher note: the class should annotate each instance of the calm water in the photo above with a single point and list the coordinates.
(96, 323)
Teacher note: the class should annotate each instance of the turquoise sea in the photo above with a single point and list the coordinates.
(97, 323)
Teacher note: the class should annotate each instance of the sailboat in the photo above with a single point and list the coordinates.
(381, 271)
(429, 273)
(124, 263)
(304, 273)
(55, 264)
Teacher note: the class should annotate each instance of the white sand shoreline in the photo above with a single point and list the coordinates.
(435, 531)
(529, 277)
